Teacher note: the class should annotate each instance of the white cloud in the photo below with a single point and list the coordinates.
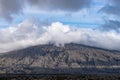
(28, 33)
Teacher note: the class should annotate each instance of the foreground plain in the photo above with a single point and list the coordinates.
(59, 77)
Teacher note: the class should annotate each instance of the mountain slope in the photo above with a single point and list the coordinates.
(49, 58)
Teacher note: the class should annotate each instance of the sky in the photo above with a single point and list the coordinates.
(25, 23)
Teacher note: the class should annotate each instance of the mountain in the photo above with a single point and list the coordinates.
(68, 59)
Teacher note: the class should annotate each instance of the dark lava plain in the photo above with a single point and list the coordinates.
(58, 77)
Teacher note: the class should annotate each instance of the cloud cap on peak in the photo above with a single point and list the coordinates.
(28, 34)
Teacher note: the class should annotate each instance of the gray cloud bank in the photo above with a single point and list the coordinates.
(9, 7)
(113, 7)
(111, 25)
(28, 34)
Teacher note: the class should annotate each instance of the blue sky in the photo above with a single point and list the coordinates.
(25, 23)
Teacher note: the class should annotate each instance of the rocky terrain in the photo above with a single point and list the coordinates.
(67, 59)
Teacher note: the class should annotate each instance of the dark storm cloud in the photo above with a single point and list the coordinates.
(9, 7)
(69, 5)
(116, 2)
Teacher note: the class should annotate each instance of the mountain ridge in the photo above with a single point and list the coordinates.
(111, 50)
(44, 58)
